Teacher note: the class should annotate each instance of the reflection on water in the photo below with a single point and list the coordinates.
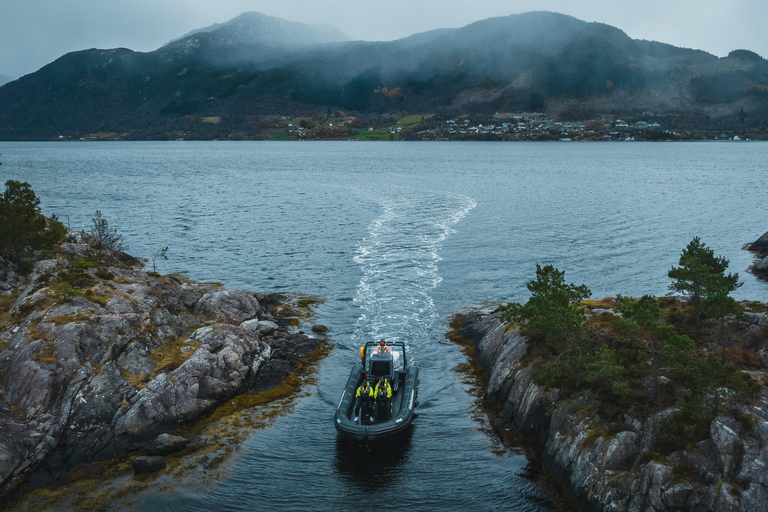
(376, 466)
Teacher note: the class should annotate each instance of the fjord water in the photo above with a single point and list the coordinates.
(398, 237)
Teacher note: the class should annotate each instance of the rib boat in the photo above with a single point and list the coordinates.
(369, 426)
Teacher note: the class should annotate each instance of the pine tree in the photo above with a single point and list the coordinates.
(701, 277)
(22, 227)
(106, 238)
(554, 312)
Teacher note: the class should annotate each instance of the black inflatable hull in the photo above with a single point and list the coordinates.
(404, 401)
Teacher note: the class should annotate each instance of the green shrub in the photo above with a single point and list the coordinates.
(105, 275)
(77, 277)
(747, 420)
(554, 313)
(649, 456)
(683, 472)
(64, 291)
(105, 237)
(89, 260)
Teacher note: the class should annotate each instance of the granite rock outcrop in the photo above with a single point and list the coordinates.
(98, 358)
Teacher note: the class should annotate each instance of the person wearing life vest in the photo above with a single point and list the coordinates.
(363, 400)
(382, 348)
(383, 394)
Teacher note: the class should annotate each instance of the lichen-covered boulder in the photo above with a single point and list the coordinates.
(251, 325)
(724, 433)
(677, 495)
(653, 427)
(755, 498)
(227, 358)
(266, 327)
(230, 306)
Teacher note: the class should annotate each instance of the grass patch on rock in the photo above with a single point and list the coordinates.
(78, 318)
(753, 306)
(46, 353)
(92, 296)
(6, 302)
(137, 381)
(33, 333)
(39, 304)
(6, 320)
(605, 303)
(170, 355)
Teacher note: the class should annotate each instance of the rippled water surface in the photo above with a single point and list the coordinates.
(398, 237)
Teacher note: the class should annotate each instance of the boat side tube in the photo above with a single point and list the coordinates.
(401, 418)
(347, 402)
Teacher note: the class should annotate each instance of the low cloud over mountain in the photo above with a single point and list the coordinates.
(256, 65)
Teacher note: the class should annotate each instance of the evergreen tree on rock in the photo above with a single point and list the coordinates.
(22, 226)
(554, 312)
(701, 277)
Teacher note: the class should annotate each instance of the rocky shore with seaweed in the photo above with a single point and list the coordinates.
(100, 358)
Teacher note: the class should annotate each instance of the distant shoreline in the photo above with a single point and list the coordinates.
(380, 141)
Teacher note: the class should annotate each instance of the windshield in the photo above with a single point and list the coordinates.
(398, 357)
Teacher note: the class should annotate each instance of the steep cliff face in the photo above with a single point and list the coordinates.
(615, 471)
(98, 358)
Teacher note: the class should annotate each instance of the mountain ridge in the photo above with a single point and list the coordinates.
(541, 60)
(245, 29)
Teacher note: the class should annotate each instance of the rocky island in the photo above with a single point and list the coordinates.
(636, 404)
(99, 357)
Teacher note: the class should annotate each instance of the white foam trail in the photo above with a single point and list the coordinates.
(399, 262)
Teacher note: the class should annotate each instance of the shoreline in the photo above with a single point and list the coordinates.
(388, 141)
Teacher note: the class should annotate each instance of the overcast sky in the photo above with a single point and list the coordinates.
(36, 32)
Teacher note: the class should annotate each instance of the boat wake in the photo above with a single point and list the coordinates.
(399, 262)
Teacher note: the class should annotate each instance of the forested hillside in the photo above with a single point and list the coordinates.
(546, 62)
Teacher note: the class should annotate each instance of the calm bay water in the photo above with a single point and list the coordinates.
(398, 237)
